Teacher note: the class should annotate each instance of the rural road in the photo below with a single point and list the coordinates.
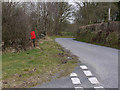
(101, 61)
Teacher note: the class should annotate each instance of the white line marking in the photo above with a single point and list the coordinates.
(93, 80)
(83, 67)
(78, 87)
(75, 81)
(73, 74)
(87, 73)
(99, 87)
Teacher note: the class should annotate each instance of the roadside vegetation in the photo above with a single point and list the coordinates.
(105, 34)
(41, 64)
(96, 25)
(20, 18)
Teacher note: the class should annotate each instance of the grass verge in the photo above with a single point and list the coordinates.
(101, 44)
(29, 68)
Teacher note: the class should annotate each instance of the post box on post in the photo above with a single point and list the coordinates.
(33, 37)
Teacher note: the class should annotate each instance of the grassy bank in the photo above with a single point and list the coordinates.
(33, 67)
(111, 41)
(105, 34)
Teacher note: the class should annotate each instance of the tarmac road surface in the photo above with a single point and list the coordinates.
(101, 61)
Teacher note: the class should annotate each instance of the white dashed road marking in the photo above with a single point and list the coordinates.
(93, 80)
(83, 67)
(99, 87)
(75, 81)
(87, 73)
(78, 87)
(73, 74)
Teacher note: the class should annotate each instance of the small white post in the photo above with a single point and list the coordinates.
(109, 14)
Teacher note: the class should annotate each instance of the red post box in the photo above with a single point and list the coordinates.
(33, 35)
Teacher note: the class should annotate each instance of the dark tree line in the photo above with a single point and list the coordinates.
(18, 19)
(15, 26)
(96, 12)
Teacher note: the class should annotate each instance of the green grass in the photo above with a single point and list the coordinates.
(28, 66)
(68, 33)
(53, 37)
(99, 43)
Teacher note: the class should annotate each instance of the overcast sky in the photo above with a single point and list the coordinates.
(74, 5)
